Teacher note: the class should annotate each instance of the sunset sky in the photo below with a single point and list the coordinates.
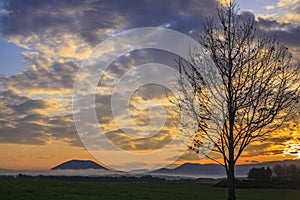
(43, 43)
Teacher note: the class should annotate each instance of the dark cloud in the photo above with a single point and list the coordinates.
(25, 17)
(251, 161)
(29, 106)
(181, 14)
(257, 149)
(37, 129)
(151, 92)
(271, 24)
(22, 122)
(63, 128)
(127, 142)
(140, 57)
(275, 152)
(245, 15)
(9, 96)
(297, 10)
(59, 75)
(85, 17)
(287, 33)
(10, 102)
(279, 140)
(24, 133)
(33, 118)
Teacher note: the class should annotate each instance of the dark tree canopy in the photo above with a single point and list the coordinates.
(283, 172)
(261, 175)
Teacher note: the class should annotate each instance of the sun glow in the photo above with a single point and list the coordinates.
(293, 149)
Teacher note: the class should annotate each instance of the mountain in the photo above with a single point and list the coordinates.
(142, 171)
(191, 169)
(79, 164)
(214, 170)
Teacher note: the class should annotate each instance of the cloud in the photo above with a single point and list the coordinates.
(29, 121)
(59, 34)
(29, 106)
(130, 142)
(287, 33)
(271, 24)
(287, 3)
(297, 9)
(63, 128)
(23, 18)
(188, 156)
(24, 133)
(281, 139)
(87, 18)
(57, 78)
(29, 129)
(284, 11)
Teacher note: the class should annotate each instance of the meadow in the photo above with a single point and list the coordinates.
(23, 189)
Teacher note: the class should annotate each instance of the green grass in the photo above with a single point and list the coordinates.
(22, 189)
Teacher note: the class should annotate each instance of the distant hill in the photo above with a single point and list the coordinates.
(214, 170)
(142, 171)
(79, 164)
(192, 169)
(187, 169)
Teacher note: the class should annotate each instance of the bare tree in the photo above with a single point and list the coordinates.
(259, 87)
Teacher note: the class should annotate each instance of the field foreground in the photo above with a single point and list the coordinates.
(22, 189)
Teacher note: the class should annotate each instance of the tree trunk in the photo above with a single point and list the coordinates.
(230, 175)
(231, 182)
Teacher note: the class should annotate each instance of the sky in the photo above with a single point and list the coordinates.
(43, 44)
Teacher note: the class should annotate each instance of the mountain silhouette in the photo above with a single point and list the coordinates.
(79, 164)
(193, 169)
(215, 170)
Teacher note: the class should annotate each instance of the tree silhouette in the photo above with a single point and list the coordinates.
(280, 171)
(259, 87)
(260, 175)
(284, 172)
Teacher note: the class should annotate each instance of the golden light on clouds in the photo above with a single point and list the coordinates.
(292, 148)
(224, 2)
(36, 124)
(284, 11)
(285, 3)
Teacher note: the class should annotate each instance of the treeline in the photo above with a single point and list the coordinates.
(278, 172)
(280, 175)
(286, 172)
(141, 179)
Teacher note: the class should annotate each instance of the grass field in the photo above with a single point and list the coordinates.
(22, 189)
